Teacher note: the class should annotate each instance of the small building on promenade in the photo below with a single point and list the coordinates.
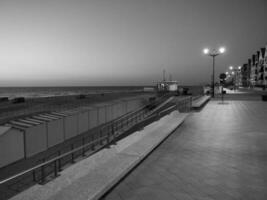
(167, 86)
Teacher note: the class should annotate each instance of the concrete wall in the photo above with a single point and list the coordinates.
(11, 145)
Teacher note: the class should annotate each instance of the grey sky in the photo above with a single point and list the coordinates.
(128, 42)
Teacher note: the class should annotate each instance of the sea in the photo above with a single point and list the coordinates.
(37, 92)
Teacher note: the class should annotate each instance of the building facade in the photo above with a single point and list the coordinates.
(254, 72)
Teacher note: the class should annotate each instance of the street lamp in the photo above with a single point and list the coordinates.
(213, 54)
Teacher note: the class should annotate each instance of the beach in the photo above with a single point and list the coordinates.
(9, 110)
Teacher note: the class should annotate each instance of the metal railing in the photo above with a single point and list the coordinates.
(105, 136)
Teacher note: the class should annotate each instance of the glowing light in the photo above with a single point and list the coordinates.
(226, 73)
(231, 67)
(239, 67)
(222, 50)
(206, 51)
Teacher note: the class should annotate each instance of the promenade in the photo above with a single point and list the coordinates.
(218, 153)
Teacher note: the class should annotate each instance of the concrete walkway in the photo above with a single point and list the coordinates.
(219, 153)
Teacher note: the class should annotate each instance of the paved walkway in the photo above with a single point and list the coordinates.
(219, 153)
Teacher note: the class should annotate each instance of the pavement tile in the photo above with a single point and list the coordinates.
(218, 153)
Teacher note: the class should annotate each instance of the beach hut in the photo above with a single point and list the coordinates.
(134, 104)
(35, 137)
(55, 128)
(93, 117)
(82, 119)
(11, 145)
(119, 108)
(70, 121)
(109, 112)
(101, 114)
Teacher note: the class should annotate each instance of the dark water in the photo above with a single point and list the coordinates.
(34, 92)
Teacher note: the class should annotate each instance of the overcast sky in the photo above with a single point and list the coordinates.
(124, 42)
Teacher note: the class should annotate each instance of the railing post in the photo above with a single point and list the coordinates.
(55, 168)
(59, 162)
(33, 176)
(191, 100)
(108, 133)
(43, 173)
(127, 120)
(93, 142)
(83, 150)
(72, 154)
(100, 137)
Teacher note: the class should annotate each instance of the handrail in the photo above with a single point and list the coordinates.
(54, 159)
(69, 152)
(50, 161)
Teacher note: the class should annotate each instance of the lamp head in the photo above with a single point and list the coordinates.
(231, 67)
(239, 67)
(206, 51)
(221, 49)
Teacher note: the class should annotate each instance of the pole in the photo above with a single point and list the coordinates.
(213, 74)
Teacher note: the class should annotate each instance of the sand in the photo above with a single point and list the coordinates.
(9, 110)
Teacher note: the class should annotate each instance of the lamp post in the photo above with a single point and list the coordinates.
(213, 54)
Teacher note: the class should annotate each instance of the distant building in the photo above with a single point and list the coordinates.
(265, 66)
(254, 73)
(167, 86)
(257, 64)
(261, 54)
(243, 76)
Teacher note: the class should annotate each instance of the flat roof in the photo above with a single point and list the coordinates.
(50, 116)
(18, 123)
(34, 120)
(29, 121)
(43, 118)
(69, 112)
(59, 114)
